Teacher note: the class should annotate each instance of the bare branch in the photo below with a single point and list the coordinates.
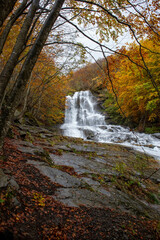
(143, 18)
(109, 77)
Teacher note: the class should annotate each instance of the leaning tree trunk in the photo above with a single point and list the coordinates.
(17, 50)
(9, 106)
(25, 98)
(10, 24)
(6, 6)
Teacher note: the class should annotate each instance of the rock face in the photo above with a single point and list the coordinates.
(104, 175)
(57, 176)
(4, 180)
(86, 191)
(157, 135)
(7, 180)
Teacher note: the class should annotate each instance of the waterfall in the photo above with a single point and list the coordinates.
(81, 110)
(82, 115)
(84, 120)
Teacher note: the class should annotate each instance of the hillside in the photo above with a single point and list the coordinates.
(56, 187)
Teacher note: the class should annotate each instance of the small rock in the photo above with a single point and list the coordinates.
(15, 202)
(143, 186)
(107, 179)
(6, 171)
(104, 192)
(157, 181)
(13, 183)
(3, 179)
(157, 135)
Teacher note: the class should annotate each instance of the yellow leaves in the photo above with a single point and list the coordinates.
(135, 90)
(152, 117)
(48, 90)
(39, 199)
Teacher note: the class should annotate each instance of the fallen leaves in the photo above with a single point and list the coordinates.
(39, 216)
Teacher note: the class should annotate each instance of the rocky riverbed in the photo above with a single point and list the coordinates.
(88, 174)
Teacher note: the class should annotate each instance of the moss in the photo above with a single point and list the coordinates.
(29, 118)
(153, 198)
(152, 129)
(10, 133)
(51, 142)
(87, 186)
(111, 109)
(6, 196)
(121, 168)
(45, 157)
(29, 137)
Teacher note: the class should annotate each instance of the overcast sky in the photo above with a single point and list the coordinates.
(122, 40)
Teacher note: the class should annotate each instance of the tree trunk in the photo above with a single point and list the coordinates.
(12, 102)
(10, 23)
(142, 122)
(6, 6)
(24, 102)
(17, 50)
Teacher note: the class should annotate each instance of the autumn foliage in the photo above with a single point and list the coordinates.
(128, 79)
(47, 90)
(136, 93)
(130, 74)
(47, 87)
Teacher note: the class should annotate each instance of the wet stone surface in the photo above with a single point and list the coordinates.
(7, 180)
(57, 176)
(3, 179)
(76, 197)
(105, 173)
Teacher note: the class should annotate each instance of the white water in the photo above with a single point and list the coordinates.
(83, 120)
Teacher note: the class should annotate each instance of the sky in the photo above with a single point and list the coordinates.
(122, 40)
(71, 34)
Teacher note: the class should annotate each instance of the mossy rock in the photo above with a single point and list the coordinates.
(10, 133)
(31, 120)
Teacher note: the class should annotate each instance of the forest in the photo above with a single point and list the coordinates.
(64, 187)
(131, 97)
(41, 62)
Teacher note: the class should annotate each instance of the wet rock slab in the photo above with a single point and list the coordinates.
(89, 161)
(75, 197)
(82, 164)
(57, 176)
(4, 179)
(28, 147)
(75, 191)
(7, 180)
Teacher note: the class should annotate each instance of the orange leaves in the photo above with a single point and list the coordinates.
(136, 93)
(88, 77)
(39, 216)
(48, 90)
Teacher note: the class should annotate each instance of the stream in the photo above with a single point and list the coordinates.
(83, 119)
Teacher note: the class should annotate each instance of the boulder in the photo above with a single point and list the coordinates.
(4, 179)
(157, 135)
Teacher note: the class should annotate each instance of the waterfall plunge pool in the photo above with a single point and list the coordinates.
(84, 120)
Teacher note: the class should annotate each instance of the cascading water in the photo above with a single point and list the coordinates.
(81, 115)
(84, 120)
